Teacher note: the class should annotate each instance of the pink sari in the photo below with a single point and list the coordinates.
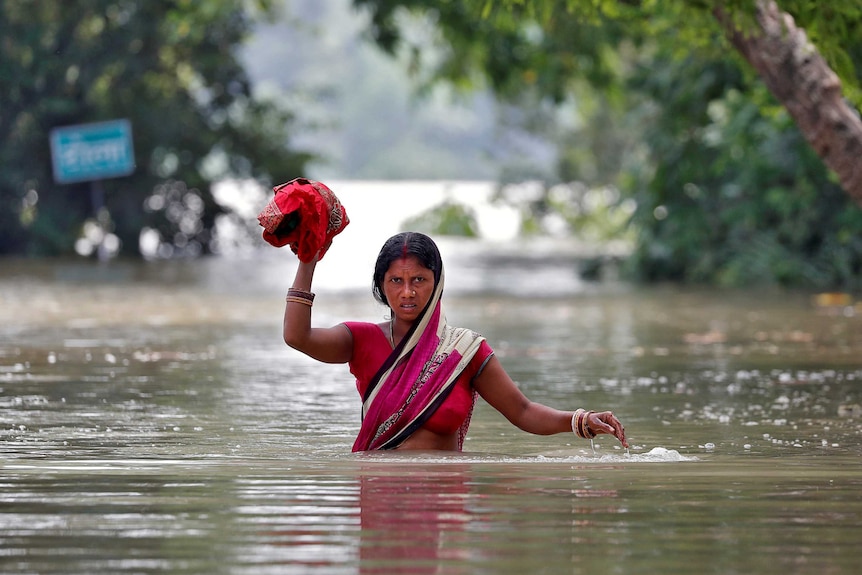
(416, 379)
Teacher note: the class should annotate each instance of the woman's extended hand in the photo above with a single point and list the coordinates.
(606, 422)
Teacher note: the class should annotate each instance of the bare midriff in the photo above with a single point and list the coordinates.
(424, 439)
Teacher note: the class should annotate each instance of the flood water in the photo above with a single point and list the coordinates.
(152, 421)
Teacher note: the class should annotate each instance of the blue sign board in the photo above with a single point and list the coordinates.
(92, 151)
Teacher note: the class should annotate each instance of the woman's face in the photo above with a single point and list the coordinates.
(408, 285)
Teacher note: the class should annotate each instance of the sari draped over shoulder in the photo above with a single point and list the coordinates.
(416, 379)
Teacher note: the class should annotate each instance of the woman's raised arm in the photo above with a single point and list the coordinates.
(329, 345)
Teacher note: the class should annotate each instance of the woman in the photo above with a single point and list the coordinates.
(418, 377)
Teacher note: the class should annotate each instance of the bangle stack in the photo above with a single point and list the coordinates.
(300, 296)
(580, 427)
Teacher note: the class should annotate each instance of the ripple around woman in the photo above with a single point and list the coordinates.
(418, 376)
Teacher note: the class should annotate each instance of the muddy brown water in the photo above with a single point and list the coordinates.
(151, 420)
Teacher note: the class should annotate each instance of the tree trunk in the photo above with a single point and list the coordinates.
(799, 77)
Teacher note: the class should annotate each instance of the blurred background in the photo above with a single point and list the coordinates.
(593, 130)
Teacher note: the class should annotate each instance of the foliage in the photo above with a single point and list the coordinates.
(736, 197)
(170, 67)
(593, 215)
(726, 189)
(449, 218)
(479, 42)
(545, 44)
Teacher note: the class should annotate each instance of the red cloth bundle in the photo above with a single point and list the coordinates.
(304, 214)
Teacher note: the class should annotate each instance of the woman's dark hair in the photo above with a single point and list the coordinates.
(403, 245)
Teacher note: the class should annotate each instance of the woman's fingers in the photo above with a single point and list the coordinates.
(609, 424)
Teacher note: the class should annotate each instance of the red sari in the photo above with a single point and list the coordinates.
(418, 377)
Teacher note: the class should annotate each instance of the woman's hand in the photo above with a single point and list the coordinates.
(294, 247)
(320, 253)
(606, 422)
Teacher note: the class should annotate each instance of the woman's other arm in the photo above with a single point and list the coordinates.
(497, 388)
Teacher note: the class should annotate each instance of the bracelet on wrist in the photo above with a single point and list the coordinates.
(580, 424)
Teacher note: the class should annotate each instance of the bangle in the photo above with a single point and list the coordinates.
(584, 425)
(300, 296)
(575, 415)
(301, 293)
(580, 426)
(301, 300)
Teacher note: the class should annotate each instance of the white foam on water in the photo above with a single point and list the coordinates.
(655, 455)
(663, 454)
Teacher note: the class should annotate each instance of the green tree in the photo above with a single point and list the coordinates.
(542, 45)
(171, 68)
(449, 218)
(727, 189)
(735, 195)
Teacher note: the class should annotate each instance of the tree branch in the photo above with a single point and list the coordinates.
(801, 79)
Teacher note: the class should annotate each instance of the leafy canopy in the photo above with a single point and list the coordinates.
(171, 68)
(548, 42)
(726, 190)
